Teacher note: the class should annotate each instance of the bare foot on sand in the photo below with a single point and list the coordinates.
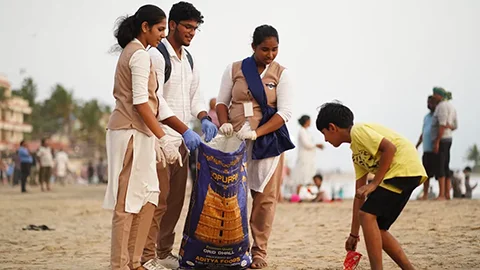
(258, 263)
(441, 198)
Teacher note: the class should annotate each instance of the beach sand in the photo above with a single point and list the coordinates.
(435, 235)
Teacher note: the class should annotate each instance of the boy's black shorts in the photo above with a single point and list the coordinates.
(387, 205)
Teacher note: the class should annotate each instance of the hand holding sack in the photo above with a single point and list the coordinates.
(209, 129)
(192, 140)
(227, 129)
(246, 133)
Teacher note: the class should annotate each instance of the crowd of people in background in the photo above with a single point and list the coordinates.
(44, 165)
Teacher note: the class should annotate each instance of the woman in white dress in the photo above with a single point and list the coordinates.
(304, 169)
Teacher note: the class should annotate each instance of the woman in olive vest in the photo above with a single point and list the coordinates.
(134, 138)
(255, 102)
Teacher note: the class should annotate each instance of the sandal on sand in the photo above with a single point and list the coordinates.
(37, 228)
(258, 263)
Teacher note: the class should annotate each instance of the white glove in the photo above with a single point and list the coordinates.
(246, 133)
(169, 151)
(227, 129)
(160, 155)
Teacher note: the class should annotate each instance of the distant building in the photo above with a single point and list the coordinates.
(12, 112)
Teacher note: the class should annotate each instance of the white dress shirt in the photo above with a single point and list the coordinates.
(180, 96)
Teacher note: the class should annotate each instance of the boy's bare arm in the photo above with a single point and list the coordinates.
(357, 203)
(387, 151)
(351, 243)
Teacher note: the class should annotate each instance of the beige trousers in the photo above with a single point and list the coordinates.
(263, 211)
(173, 182)
(129, 231)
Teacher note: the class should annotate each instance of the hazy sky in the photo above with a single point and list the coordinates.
(381, 58)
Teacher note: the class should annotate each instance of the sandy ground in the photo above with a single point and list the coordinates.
(435, 235)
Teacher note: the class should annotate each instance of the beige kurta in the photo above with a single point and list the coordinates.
(135, 83)
(144, 186)
(234, 93)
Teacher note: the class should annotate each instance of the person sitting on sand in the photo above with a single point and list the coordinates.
(461, 183)
(320, 196)
(398, 171)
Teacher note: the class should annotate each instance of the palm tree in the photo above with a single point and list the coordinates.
(89, 114)
(61, 104)
(474, 155)
(28, 91)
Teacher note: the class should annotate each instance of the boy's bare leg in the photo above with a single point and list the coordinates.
(373, 239)
(441, 185)
(426, 187)
(395, 251)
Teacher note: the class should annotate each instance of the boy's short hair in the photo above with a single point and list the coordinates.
(318, 176)
(335, 113)
(468, 169)
(184, 11)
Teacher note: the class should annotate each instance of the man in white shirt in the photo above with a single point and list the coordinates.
(443, 124)
(180, 101)
(45, 157)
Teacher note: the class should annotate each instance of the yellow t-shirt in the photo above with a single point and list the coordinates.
(366, 139)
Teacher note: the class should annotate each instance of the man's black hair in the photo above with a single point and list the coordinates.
(184, 11)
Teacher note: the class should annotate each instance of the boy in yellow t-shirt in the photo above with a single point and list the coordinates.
(397, 169)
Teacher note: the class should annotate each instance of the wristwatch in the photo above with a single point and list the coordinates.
(206, 117)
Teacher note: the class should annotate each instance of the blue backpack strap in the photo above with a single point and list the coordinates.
(168, 64)
(190, 59)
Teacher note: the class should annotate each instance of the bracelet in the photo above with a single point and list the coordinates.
(355, 236)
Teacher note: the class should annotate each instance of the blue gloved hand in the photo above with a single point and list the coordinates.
(192, 139)
(209, 129)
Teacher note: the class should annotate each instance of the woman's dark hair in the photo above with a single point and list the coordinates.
(303, 120)
(263, 32)
(335, 113)
(128, 27)
(184, 11)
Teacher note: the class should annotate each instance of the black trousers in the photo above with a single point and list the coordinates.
(24, 174)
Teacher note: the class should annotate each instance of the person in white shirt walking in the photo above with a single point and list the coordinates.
(180, 101)
(45, 157)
